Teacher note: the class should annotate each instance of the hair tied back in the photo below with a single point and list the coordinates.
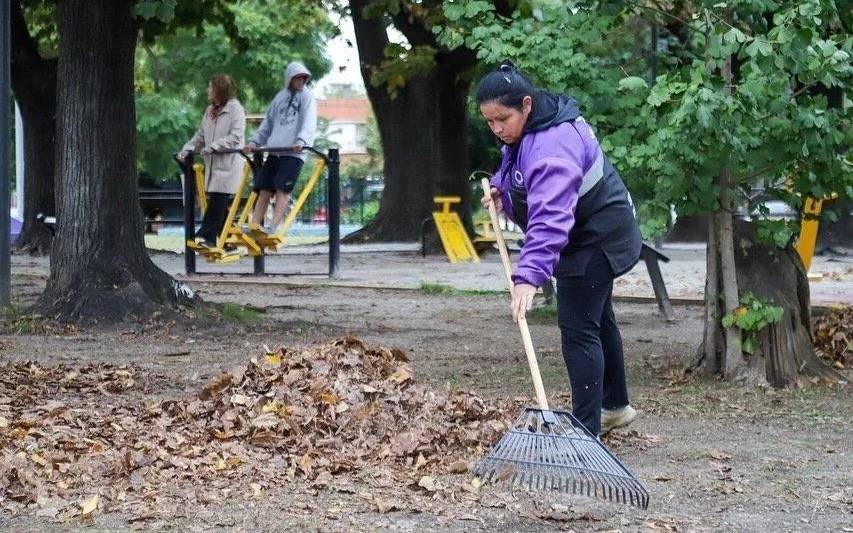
(508, 66)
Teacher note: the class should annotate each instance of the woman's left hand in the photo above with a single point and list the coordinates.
(522, 300)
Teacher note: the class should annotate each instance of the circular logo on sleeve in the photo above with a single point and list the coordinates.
(517, 177)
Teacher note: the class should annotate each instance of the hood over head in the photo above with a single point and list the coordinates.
(550, 110)
(295, 68)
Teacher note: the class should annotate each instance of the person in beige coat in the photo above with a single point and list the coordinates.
(222, 126)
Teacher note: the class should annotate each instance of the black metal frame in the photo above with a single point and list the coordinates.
(333, 200)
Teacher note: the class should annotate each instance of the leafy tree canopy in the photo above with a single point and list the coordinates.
(782, 125)
(252, 40)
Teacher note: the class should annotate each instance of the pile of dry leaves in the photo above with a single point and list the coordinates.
(833, 337)
(313, 413)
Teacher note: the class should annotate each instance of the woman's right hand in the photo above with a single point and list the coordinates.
(495, 197)
(183, 155)
(248, 148)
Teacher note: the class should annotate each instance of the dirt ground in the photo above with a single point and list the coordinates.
(713, 456)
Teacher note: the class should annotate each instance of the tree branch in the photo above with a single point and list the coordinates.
(659, 11)
(458, 59)
(415, 33)
(370, 36)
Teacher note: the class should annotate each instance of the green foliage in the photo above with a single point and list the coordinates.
(779, 232)
(402, 63)
(417, 53)
(772, 127)
(161, 10)
(40, 16)
(753, 315)
(360, 214)
(162, 123)
(252, 40)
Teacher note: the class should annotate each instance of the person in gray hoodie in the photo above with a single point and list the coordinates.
(290, 122)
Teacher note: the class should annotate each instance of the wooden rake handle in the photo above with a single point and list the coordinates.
(522, 322)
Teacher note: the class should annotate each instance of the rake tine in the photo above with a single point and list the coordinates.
(562, 457)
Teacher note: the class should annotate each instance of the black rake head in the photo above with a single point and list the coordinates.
(551, 450)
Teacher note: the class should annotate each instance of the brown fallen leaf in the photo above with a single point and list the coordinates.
(216, 385)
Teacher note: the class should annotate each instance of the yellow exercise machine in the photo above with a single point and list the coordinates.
(276, 240)
(454, 238)
(238, 237)
(809, 222)
(231, 239)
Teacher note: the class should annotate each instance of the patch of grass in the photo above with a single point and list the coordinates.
(12, 312)
(545, 312)
(239, 313)
(477, 292)
(436, 288)
(427, 287)
(16, 319)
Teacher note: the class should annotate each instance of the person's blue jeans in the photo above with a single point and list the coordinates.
(592, 345)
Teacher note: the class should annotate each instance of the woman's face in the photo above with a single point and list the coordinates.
(211, 95)
(506, 122)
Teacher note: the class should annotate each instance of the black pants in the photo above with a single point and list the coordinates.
(214, 216)
(592, 345)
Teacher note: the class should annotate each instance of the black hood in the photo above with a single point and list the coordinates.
(550, 110)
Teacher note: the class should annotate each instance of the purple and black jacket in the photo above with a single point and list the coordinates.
(557, 184)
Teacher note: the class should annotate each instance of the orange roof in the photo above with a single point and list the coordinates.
(345, 109)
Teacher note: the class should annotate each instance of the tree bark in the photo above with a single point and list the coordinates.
(99, 267)
(34, 87)
(733, 361)
(709, 356)
(422, 130)
(785, 355)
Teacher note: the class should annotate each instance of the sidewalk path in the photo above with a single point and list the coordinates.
(400, 265)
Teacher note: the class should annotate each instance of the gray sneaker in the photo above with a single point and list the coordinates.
(616, 418)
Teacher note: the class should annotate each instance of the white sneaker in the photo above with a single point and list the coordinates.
(616, 418)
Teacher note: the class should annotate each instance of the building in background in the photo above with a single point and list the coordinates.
(345, 121)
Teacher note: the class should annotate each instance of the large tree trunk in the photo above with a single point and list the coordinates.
(785, 352)
(422, 130)
(99, 267)
(785, 356)
(34, 87)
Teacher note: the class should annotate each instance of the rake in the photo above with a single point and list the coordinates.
(552, 450)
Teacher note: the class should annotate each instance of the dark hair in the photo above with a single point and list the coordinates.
(224, 87)
(506, 85)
